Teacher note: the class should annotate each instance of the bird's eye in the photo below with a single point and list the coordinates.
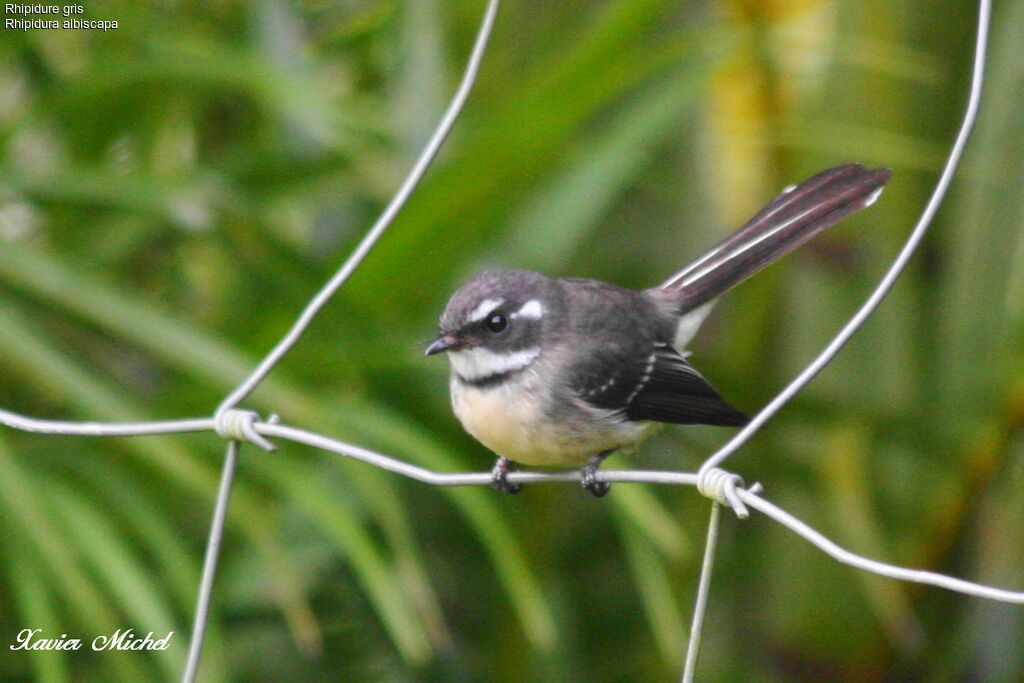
(496, 322)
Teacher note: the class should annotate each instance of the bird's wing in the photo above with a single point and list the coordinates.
(659, 386)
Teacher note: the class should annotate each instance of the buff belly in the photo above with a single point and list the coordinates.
(511, 420)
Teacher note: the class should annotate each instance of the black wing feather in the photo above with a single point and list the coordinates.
(675, 392)
(659, 386)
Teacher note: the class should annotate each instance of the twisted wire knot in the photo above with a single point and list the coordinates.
(236, 424)
(720, 486)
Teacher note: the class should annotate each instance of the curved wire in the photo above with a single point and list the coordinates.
(875, 567)
(894, 271)
(431, 149)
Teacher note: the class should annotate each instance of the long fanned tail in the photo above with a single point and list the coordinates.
(788, 221)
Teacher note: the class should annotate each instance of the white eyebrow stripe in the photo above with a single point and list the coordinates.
(483, 308)
(478, 363)
(531, 309)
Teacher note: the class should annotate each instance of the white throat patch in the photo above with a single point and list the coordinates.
(479, 363)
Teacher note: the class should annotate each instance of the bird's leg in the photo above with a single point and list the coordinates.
(499, 476)
(588, 475)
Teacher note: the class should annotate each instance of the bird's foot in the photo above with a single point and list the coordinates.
(588, 475)
(499, 477)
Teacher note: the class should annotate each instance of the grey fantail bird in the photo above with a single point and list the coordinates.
(562, 372)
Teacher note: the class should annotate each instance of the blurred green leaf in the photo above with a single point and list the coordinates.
(122, 572)
(654, 585)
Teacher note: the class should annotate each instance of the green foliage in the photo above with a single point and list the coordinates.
(173, 192)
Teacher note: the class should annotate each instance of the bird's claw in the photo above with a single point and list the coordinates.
(588, 476)
(499, 477)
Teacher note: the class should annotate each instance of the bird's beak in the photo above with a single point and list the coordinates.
(446, 342)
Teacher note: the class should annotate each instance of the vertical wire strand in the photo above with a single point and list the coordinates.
(220, 512)
(703, 588)
(444, 126)
(898, 265)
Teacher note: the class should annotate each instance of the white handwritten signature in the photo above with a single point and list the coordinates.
(121, 639)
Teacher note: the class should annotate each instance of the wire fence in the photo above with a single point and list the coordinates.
(240, 426)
